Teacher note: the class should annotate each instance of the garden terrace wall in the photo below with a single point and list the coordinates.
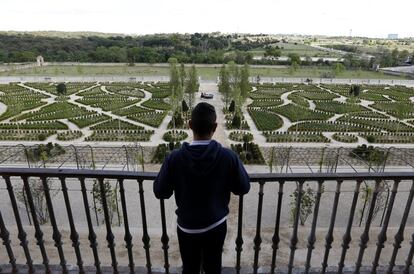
(101, 155)
(312, 156)
(116, 156)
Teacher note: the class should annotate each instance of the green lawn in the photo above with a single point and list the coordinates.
(207, 72)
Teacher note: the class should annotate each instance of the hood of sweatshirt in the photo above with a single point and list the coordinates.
(201, 159)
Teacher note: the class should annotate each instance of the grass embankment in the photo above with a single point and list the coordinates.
(207, 72)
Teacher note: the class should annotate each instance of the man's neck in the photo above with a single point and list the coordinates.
(198, 138)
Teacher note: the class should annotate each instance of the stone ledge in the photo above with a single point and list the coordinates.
(6, 269)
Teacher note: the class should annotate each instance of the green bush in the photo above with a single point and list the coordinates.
(174, 136)
(249, 153)
(61, 89)
(241, 136)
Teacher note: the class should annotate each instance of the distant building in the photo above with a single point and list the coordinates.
(40, 61)
(393, 36)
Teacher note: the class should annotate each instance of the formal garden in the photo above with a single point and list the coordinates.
(309, 113)
(279, 113)
(85, 112)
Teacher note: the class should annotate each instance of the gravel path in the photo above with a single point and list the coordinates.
(3, 108)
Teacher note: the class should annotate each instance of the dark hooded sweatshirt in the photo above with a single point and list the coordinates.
(201, 177)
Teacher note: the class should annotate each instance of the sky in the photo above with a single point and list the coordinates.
(369, 18)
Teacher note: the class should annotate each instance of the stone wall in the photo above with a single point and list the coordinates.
(312, 156)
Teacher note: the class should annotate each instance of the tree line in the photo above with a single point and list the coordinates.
(189, 48)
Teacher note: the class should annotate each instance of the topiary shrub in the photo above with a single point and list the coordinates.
(61, 89)
(41, 137)
(232, 106)
(178, 119)
(163, 150)
(236, 122)
(184, 106)
(371, 139)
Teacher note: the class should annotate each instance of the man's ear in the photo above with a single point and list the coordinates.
(190, 124)
(214, 127)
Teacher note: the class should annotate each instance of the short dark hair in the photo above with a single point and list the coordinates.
(203, 119)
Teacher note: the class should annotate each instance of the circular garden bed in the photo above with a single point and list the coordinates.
(175, 136)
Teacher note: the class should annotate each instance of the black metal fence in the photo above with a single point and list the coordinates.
(262, 180)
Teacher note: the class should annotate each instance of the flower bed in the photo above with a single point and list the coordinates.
(325, 126)
(69, 135)
(380, 124)
(156, 104)
(174, 136)
(397, 109)
(319, 95)
(71, 88)
(266, 103)
(130, 111)
(88, 120)
(366, 114)
(19, 99)
(299, 100)
(300, 137)
(241, 136)
(116, 124)
(231, 123)
(389, 138)
(25, 135)
(153, 119)
(345, 138)
(337, 107)
(265, 120)
(125, 89)
(59, 110)
(53, 125)
(296, 113)
(120, 136)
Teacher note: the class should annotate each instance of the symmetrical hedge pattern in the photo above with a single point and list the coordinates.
(384, 114)
(82, 111)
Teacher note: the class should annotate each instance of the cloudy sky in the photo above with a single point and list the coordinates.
(373, 18)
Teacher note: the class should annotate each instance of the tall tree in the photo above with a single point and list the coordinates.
(175, 83)
(192, 85)
(176, 88)
(183, 75)
(234, 79)
(244, 83)
(224, 84)
(233, 70)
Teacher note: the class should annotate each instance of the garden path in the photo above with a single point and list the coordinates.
(284, 97)
(341, 99)
(3, 108)
(335, 117)
(388, 97)
(220, 135)
(148, 95)
(312, 105)
(286, 124)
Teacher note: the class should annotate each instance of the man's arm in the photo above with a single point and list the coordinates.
(240, 178)
(163, 187)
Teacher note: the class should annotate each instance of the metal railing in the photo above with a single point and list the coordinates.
(282, 180)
